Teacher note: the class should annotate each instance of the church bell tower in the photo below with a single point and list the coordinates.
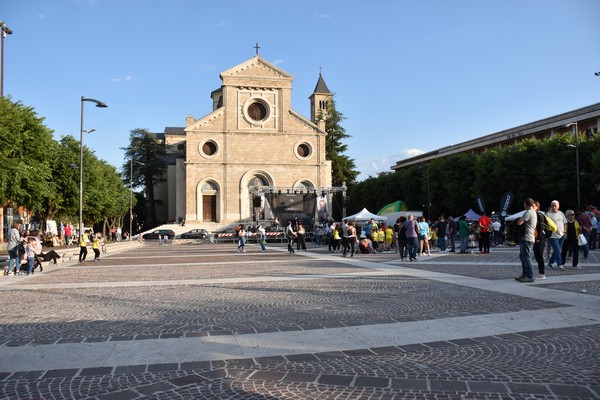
(320, 101)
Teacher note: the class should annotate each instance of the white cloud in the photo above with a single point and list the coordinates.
(319, 15)
(384, 164)
(407, 153)
(127, 78)
(278, 61)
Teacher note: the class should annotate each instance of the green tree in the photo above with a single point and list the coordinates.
(27, 152)
(343, 168)
(148, 154)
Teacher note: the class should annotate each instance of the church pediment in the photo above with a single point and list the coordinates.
(255, 68)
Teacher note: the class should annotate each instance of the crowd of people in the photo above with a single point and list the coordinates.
(411, 237)
(563, 235)
(26, 251)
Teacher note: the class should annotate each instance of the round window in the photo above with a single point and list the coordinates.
(303, 150)
(208, 148)
(257, 111)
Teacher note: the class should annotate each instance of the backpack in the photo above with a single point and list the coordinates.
(549, 226)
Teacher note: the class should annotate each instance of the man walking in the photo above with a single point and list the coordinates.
(557, 239)
(412, 237)
(527, 224)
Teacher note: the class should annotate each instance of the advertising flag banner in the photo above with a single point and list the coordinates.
(480, 205)
(505, 203)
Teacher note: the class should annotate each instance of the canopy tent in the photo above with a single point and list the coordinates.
(515, 216)
(365, 215)
(518, 215)
(472, 215)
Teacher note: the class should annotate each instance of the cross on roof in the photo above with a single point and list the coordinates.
(257, 47)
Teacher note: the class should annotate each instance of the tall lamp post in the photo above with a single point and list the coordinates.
(5, 31)
(576, 134)
(131, 197)
(81, 131)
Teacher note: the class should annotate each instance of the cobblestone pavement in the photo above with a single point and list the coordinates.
(198, 321)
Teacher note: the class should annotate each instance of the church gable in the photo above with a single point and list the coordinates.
(256, 69)
(300, 124)
(213, 120)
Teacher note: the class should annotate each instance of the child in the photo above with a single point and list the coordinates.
(381, 239)
(96, 247)
(374, 238)
(29, 248)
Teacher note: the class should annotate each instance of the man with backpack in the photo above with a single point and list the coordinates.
(540, 239)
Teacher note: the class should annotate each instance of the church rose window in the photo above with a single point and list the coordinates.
(257, 111)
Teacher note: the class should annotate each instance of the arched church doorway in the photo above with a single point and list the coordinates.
(209, 193)
(256, 205)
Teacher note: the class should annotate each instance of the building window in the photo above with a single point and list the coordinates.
(209, 148)
(257, 181)
(209, 186)
(257, 110)
(303, 150)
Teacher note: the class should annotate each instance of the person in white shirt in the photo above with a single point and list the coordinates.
(557, 239)
(594, 232)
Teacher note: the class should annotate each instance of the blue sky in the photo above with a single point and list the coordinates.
(409, 76)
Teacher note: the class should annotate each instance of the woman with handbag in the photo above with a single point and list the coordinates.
(571, 244)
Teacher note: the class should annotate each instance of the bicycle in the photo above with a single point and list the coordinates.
(495, 239)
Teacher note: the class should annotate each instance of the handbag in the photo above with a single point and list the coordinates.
(581, 240)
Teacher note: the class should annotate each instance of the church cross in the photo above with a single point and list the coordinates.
(257, 47)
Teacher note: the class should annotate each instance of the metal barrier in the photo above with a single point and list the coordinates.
(251, 238)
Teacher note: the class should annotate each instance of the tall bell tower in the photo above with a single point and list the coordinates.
(320, 101)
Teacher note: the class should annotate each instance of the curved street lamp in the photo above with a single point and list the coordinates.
(99, 104)
(5, 31)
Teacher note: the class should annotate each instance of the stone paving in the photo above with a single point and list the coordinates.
(146, 322)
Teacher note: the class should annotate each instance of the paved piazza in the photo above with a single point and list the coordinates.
(201, 321)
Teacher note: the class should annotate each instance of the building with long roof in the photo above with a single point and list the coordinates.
(586, 118)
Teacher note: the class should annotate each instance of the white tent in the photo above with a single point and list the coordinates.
(518, 215)
(365, 215)
(472, 215)
(393, 217)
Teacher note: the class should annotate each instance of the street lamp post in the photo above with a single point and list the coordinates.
(576, 134)
(5, 31)
(81, 131)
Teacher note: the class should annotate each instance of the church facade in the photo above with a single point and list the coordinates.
(251, 149)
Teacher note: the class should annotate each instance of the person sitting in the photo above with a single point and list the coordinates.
(51, 255)
(366, 246)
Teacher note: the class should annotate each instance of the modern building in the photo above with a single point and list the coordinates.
(586, 118)
(250, 155)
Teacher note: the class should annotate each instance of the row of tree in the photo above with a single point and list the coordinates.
(544, 169)
(42, 174)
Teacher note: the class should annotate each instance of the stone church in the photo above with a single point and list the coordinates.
(252, 156)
